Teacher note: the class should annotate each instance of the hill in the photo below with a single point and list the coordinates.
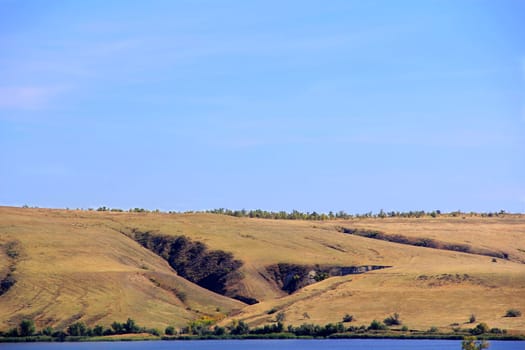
(98, 267)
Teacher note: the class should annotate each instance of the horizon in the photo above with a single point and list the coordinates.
(307, 106)
(245, 212)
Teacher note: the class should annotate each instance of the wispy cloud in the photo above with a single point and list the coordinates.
(28, 97)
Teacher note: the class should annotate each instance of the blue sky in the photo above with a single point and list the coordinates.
(279, 105)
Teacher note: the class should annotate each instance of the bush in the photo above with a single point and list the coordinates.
(170, 330)
(348, 318)
(239, 328)
(27, 328)
(77, 329)
(392, 320)
(98, 330)
(130, 326)
(219, 331)
(497, 331)
(153, 331)
(513, 313)
(480, 329)
(118, 328)
(47, 331)
(472, 318)
(376, 326)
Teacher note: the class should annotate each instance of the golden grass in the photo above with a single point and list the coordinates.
(74, 269)
(77, 264)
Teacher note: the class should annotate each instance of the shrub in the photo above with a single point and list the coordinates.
(472, 318)
(153, 331)
(433, 329)
(480, 329)
(170, 330)
(219, 331)
(118, 328)
(496, 331)
(27, 328)
(513, 313)
(98, 330)
(392, 320)
(376, 326)
(130, 326)
(13, 332)
(47, 331)
(239, 327)
(348, 318)
(77, 329)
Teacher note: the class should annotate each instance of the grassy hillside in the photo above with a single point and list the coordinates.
(78, 265)
(71, 266)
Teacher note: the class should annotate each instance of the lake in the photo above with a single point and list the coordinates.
(296, 344)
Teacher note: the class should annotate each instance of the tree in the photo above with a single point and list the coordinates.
(47, 331)
(471, 343)
(117, 327)
(219, 331)
(27, 328)
(98, 330)
(170, 330)
(77, 329)
(239, 327)
(130, 326)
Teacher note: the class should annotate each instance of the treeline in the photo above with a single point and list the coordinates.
(204, 329)
(298, 215)
(27, 328)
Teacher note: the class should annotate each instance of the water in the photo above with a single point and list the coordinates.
(339, 344)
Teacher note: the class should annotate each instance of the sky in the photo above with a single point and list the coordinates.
(278, 105)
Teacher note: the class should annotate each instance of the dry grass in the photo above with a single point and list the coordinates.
(77, 265)
(73, 268)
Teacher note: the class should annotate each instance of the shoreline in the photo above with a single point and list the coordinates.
(275, 336)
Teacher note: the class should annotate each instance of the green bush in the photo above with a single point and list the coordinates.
(77, 329)
(481, 328)
(376, 326)
(153, 331)
(47, 331)
(98, 330)
(170, 330)
(27, 328)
